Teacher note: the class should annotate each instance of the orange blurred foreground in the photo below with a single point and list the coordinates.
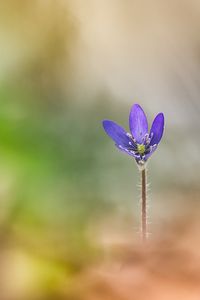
(165, 268)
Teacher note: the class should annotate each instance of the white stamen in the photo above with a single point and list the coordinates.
(129, 135)
(152, 148)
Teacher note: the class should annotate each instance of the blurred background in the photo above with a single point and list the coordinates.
(66, 194)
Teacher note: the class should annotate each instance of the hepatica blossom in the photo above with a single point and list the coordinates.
(140, 143)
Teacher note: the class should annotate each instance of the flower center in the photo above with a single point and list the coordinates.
(141, 148)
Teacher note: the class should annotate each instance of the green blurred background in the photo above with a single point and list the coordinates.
(66, 193)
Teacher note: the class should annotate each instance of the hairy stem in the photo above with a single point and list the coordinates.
(144, 206)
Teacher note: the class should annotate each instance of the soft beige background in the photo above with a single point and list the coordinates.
(66, 194)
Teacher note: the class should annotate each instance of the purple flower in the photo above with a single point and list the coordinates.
(140, 144)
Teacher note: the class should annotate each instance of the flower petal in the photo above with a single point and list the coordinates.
(117, 133)
(138, 123)
(125, 150)
(157, 129)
